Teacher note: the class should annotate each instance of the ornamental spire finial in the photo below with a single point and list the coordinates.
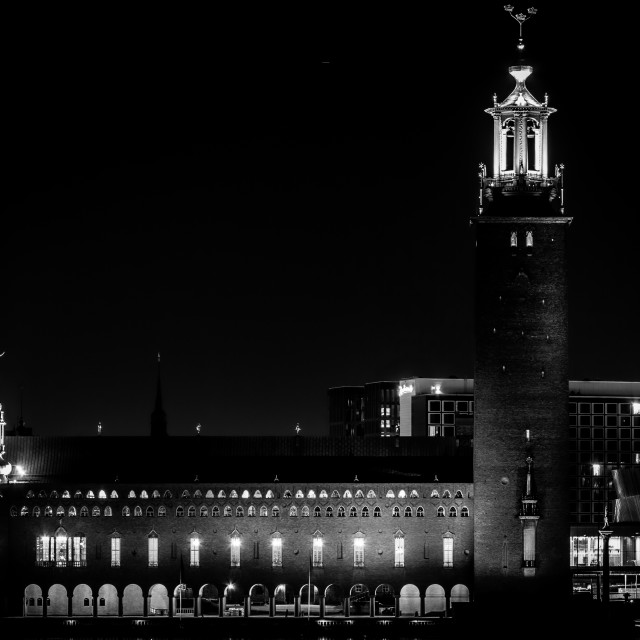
(520, 18)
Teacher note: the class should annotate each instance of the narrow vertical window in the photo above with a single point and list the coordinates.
(399, 551)
(153, 549)
(447, 552)
(276, 552)
(115, 551)
(194, 552)
(317, 551)
(514, 239)
(529, 238)
(235, 551)
(358, 552)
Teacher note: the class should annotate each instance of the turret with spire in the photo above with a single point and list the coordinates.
(158, 416)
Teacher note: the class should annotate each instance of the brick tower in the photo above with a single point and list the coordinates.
(520, 464)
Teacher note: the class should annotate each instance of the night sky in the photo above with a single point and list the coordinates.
(279, 203)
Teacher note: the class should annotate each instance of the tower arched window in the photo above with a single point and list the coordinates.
(137, 511)
(264, 512)
(329, 512)
(464, 512)
(347, 495)
(529, 239)
(440, 512)
(299, 494)
(108, 512)
(95, 511)
(179, 511)
(365, 512)
(149, 513)
(59, 511)
(371, 494)
(162, 511)
(359, 493)
(191, 511)
(323, 495)
(287, 494)
(204, 512)
(102, 495)
(311, 494)
(435, 494)
(114, 495)
(305, 511)
(420, 512)
(402, 493)
(227, 511)
(376, 512)
(239, 512)
(293, 511)
(215, 511)
(453, 512)
(353, 512)
(316, 512)
(275, 512)
(143, 495)
(335, 494)
(132, 495)
(390, 494)
(446, 494)
(514, 239)
(408, 512)
(257, 493)
(251, 511)
(246, 495)
(458, 494)
(270, 495)
(396, 512)
(84, 512)
(340, 511)
(233, 494)
(25, 511)
(71, 513)
(126, 512)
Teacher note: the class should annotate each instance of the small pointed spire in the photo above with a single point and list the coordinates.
(276, 479)
(99, 428)
(356, 479)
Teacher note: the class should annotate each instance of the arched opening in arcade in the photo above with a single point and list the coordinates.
(359, 600)
(108, 604)
(409, 601)
(258, 600)
(209, 600)
(184, 603)
(33, 603)
(284, 600)
(233, 600)
(384, 600)
(435, 601)
(57, 601)
(158, 600)
(309, 600)
(334, 600)
(82, 601)
(132, 601)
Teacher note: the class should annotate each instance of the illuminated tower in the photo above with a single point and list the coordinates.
(521, 527)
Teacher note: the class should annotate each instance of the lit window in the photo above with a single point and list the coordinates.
(71, 512)
(204, 512)
(65, 494)
(347, 495)
(305, 511)
(227, 511)
(311, 494)
(335, 494)
(529, 238)
(447, 552)
(636, 408)
(402, 493)
(209, 495)
(162, 512)
(293, 511)
(596, 469)
(399, 550)
(264, 512)
(90, 495)
(115, 551)
(359, 493)
(251, 512)
(59, 512)
(132, 494)
(180, 511)
(371, 494)
(317, 550)
(299, 494)
(137, 511)
(270, 494)
(414, 494)
(153, 549)
(257, 494)
(276, 552)
(144, 495)
(194, 552)
(215, 511)
(126, 512)
(233, 494)
(323, 495)
(25, 511)
(514, 239)
(222, 494)
(156, 493)
(108, 512)
(340, 512)
(235, 551)
(390, 494)
(101, 495)
(358, 552)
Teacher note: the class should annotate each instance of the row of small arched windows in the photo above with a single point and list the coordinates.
(191, 511)
(311, 494)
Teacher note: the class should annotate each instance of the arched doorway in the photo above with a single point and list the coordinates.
(132, 601)
(209, 600)
(284, 596)
(333, 600)
(158, 600)
(82, 601)
(107, 600)
(259, 600)
(33, 600)
(359, 600)
(57, 601)
(385, 600)
(309, 600)
(409, 600)
(435, 601)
